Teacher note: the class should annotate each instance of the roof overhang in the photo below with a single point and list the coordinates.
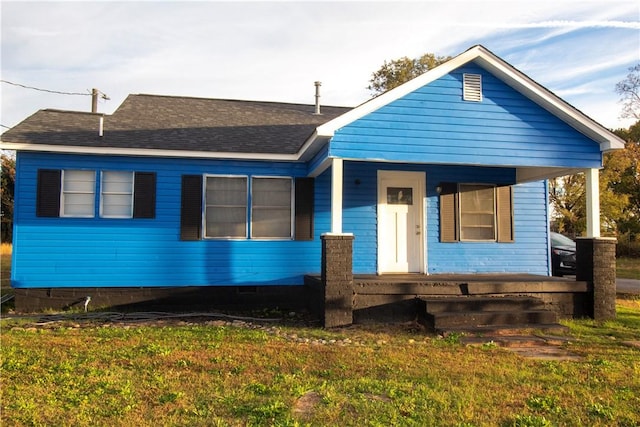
(141, 152)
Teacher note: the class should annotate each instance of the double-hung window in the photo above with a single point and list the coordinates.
(71, 193)
(242, 207)
(226, 207)
(78, 193)
(271, 208)
(117, 194)
(477, 212)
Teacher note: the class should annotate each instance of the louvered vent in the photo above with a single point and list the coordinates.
(472, 87)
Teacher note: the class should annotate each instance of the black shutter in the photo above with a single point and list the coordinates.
(504, 214)
(144, 195)
(304, 208)
(191, 208)
(449, 212)
(48, 193)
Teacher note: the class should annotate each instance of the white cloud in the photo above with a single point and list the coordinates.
(276, 50)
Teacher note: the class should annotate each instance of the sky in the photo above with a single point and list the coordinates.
(275, 51)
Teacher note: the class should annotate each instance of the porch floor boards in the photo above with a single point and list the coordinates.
(460, 284)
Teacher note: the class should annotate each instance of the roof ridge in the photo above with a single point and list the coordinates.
(57, 110)
(235, 100)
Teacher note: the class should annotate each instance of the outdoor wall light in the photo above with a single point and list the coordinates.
(438, 189)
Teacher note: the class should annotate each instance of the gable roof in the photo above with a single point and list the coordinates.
(195, 127)
(502, 70)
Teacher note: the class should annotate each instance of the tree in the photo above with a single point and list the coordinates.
(399, 71)
(626, 180)
(568, 197)
(619, 178)
(7, 185)
(629, 89)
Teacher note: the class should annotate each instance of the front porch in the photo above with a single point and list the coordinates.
(342, 298)
(465, 301)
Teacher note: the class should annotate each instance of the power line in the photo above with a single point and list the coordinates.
(8, 127)
(45, 90)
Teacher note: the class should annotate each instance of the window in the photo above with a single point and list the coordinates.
(271, 208)
(117, 194)
(226, 207)
(71, 193)
(275, 204)
(477, 212)
(78, 193)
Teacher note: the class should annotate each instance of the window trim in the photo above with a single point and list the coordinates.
(449, 218)
(63, 193)
(495, 210)
(291, 207)
(102, 194)
(204, 208)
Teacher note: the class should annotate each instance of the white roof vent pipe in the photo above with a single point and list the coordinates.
(101, 127)
(318, 84)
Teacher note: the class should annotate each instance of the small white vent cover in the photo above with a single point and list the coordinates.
(472, 87)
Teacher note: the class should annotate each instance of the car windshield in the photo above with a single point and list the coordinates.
(560, 240)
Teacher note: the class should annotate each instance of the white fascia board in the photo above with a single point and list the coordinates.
(140, 152)
(550, 102)
(328, 129)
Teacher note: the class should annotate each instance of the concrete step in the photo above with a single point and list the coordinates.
(471, 319)
(474, 303)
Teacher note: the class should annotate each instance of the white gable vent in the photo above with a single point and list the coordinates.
(472, 87)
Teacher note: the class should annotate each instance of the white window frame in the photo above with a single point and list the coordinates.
(117, 193)
(460, 212)
(291, 207)
(64, 193)
(205, 206)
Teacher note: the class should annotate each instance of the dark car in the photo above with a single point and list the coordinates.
(563, 255)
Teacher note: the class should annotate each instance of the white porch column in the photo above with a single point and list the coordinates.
(336, 196)
(593, 202)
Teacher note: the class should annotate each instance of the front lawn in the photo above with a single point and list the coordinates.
(218, 373)
(628, 268)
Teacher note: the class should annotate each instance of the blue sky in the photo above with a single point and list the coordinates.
(274, 51)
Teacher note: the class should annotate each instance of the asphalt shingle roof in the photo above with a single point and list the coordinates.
(180, 123)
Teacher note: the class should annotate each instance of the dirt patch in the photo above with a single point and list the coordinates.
(306, 404)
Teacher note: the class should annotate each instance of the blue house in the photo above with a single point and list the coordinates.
(445, 174)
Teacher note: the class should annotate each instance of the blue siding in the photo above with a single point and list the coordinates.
(73, 252)
(434, 125)
(528, 254)
(88, 252)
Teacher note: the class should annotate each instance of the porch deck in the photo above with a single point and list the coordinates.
(463, 284)
(460, 284)
(401, 297)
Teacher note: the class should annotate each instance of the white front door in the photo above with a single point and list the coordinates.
(400, 222)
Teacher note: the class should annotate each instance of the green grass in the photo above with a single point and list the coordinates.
(628, 268)
(204, 375)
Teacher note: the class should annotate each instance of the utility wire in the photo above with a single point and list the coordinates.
(8, 127)
(45, 90)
